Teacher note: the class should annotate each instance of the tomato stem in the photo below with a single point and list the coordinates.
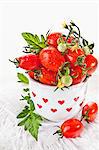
(15, 62)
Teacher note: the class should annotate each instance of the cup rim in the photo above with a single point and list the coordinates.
(53, 87)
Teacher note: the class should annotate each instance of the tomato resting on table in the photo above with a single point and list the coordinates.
(90, 111)
(71, 128)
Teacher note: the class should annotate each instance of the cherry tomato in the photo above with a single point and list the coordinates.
(89, 111)
(72, 128)
(47, 77)
(29, 62)
(72, 56)
(51, 58)
(91, 64)
(77, 74)
(52, 38)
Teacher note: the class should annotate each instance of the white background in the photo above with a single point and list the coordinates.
(38, 17)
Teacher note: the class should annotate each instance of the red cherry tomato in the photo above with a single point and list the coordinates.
(51, 58)
(77, 74)
(72, 128)
(52, 38)
(29, 62)
(91, 64)
(89, 111)
(70, 39)
(47, 77)
(71, 56)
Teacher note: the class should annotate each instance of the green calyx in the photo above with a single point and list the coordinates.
(15, 62)
(80, 60)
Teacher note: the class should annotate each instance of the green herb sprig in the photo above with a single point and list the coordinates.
(29, 119)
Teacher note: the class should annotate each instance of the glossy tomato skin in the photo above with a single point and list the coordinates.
(91, 64)
(51, 58)
(90, 111)
(31, 74)
(77, 74)
(70, 39)
(52, 38)
(47, 77)
(29, 62)
(72, 128)
(71, 56)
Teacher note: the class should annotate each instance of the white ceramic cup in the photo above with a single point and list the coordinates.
(59, 105)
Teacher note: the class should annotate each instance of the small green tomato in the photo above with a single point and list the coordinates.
(62, 47)
(66, 80)
(86, 50)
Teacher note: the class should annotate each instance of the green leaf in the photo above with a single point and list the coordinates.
(22, 78)
(32, 107)
(43, 39)
(85, 42)
(24, 112)
(21, 123)
(37, 38)
(34, 41)
(30, 120)
(32, 124)
(36, 123)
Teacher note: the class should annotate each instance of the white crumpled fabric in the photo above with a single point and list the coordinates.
(13, 137)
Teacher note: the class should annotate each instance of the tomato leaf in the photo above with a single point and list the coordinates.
(43, 39)
(24, 112)
(32, 123)
(30, 120)
(34, 41)
(21, 123)
(22, 78)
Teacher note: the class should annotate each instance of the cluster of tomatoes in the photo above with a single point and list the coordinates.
(61, 63)
(73, 128)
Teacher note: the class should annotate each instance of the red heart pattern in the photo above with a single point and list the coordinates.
(39, 106)
(33, 94)
(45, 100)
(53, 110)
(76, 99)
(61, 102)
(69, 109)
